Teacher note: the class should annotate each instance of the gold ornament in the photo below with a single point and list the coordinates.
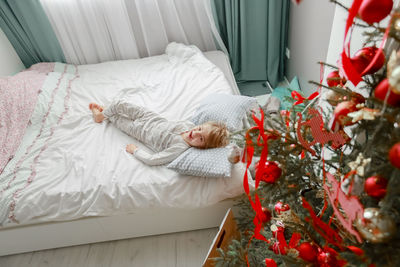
(288, 217)
(376, 227)
(396, 24)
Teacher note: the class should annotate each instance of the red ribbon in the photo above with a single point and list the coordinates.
(356, 250)
(345, 64)
(321, 77)
(300, 99)
(256, 204)
(249, 152)
(281, 241)
(294, 240)
(330, 235)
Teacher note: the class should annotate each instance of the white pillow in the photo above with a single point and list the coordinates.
(230, 109)
(211, 162)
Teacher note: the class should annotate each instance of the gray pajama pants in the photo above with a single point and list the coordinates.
(146, 126)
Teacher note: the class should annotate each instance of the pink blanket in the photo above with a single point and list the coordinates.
(18, 96)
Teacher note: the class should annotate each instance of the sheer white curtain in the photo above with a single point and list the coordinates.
(92, 31)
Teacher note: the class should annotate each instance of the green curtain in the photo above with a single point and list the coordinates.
(27, 27)
(255, 34)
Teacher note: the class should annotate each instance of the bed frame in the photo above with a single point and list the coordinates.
(34, 237)
(155, 221)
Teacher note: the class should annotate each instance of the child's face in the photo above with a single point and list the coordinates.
(197, 137)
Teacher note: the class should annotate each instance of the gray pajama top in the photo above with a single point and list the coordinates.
(161, 135)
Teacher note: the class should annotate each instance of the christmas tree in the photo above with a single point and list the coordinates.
(327, 176)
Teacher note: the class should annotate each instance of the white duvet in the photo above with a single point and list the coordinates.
(80, 168)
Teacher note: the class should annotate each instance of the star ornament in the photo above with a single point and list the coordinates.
(359, 164)
(363, 113)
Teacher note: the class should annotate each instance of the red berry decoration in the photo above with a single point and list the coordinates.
(307, 251)
(382, 90)
(375, 10)
(333, 79)
(394, 155)
(364, 56)
(375, 186)
(280, 207)
(270, 172)
(267, 214)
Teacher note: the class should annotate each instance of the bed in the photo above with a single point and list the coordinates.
(70, 180)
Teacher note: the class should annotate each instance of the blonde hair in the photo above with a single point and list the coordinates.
(218, 135)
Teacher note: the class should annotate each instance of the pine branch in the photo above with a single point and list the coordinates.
(340, 90)
(329, 65)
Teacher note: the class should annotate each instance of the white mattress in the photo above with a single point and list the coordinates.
(84, 170)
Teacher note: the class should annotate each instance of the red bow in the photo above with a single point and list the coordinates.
(281, 245)
(300, 99)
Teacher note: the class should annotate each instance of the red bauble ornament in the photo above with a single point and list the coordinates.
(375, 10)
(333, 79)
(267, 214)
(341, 111)
(270, 262)
(327, 258)
(364, 56)
(394, 155)
(270, 173)
(280, 207)
(382, 89)
(375, 186)
(357, 98)
(307, 251)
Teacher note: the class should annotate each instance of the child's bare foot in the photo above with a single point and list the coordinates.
(97, 112)
(96, 106)
(131, 148)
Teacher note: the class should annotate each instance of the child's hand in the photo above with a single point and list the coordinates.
(131, 148)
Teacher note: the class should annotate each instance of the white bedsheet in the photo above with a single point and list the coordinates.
(84, 169)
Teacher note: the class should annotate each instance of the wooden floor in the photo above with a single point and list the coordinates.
(184, 249)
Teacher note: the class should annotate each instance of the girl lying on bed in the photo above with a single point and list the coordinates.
(169, 139)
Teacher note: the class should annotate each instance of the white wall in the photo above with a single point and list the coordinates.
(10, 63)
(309, 36)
